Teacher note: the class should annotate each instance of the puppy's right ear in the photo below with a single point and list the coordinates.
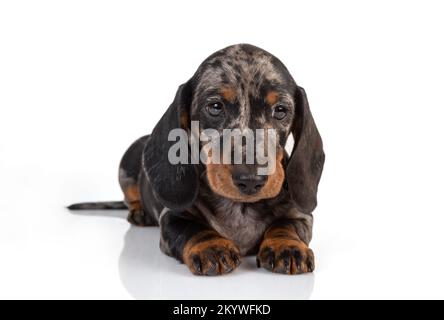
(175, 185)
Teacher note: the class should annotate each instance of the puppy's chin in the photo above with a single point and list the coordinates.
(246, 198)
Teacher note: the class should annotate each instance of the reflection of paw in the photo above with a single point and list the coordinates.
(286, 256)
(212, 257)
(138, 217)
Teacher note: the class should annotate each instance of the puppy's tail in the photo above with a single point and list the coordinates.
(111, 205)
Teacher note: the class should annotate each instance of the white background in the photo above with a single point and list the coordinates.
(80, 80)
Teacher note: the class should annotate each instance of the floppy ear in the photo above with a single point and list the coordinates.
(307, 159)
(175, 185)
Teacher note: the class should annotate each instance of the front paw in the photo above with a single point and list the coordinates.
(287, 256)
(211, 257)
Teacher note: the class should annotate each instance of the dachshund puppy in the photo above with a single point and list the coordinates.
(212, 214)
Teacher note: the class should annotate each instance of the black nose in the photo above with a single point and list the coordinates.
(249, 184)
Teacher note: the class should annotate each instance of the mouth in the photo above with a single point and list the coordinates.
(241, 183)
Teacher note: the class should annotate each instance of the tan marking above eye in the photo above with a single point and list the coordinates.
(272, 97)
(228, 94)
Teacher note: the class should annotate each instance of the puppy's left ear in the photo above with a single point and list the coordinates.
(175, 185)
(307, 159)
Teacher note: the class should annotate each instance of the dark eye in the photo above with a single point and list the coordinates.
(280, 112)
(215, 108)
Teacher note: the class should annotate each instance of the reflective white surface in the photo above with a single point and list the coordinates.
(80, 81)
(148, 274)
(48, 252)
(97, 255)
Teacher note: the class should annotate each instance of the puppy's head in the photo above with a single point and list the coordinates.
(241, 88)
